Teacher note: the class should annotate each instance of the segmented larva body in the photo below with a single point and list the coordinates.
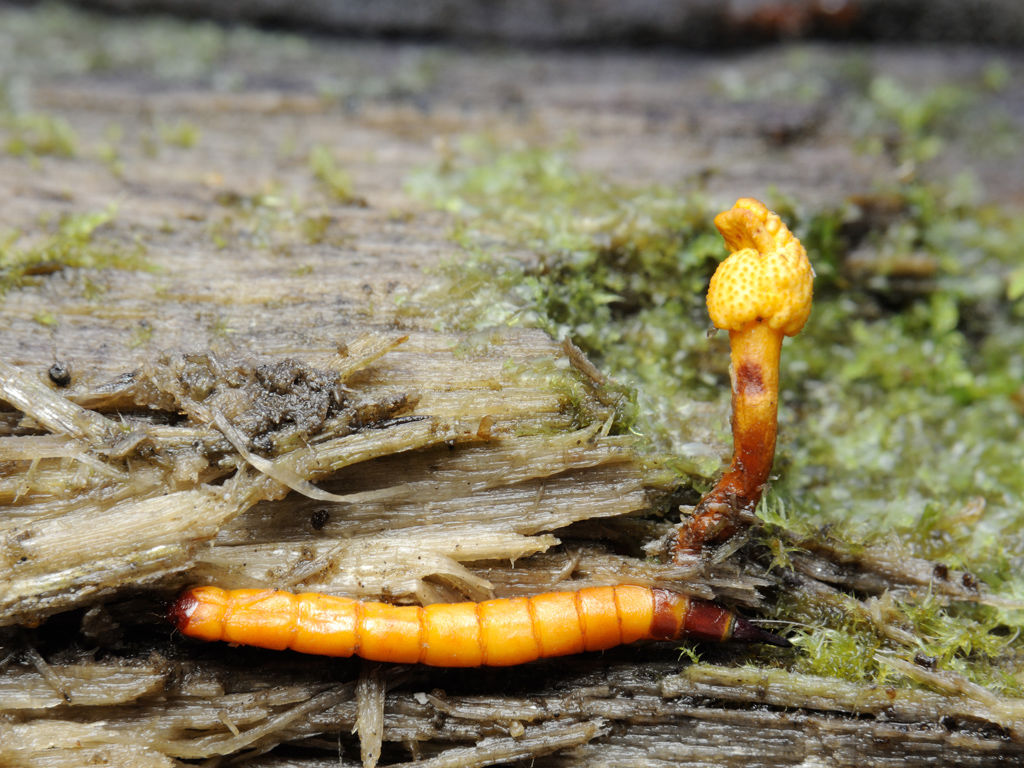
(492, 633)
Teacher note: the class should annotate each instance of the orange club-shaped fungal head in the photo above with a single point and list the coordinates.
(759, 294)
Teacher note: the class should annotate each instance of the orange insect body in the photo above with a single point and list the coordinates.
(492, 633)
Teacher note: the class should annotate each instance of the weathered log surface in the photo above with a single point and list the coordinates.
(693, 23)
(261, 276)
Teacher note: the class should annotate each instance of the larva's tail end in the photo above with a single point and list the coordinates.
(744, 631)
(180, 611)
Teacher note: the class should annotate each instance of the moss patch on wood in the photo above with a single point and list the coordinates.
(72, 244)
(901, 402)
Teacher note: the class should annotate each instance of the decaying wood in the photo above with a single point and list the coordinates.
(263, 409)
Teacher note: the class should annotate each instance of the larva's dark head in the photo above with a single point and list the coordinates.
(199, 612)
(180, 610)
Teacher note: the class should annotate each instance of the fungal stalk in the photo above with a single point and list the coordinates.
(759, 294)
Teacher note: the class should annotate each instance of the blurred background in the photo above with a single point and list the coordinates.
(687, 23)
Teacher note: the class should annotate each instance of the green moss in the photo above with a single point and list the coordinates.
(314, 227)
(996, 76)
(971, 641)
(618, 271)
(109, 150)
(74, 244)
(901, 401)
(903, 416)
(77, 42)
(333, 179)
(798, 79)
(45, 318)
(141, 334)
(839, 636)
(220, 327)
(908, 123)
(181, 133)
(36, 133)
(268, 220)
(908, 382)
(837, 652)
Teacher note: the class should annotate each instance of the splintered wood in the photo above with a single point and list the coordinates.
(195, 467)
(97, 504)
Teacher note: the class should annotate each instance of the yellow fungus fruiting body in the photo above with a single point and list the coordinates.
(767, 278)
(760, 294)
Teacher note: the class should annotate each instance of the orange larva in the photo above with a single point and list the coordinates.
(492, 633)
